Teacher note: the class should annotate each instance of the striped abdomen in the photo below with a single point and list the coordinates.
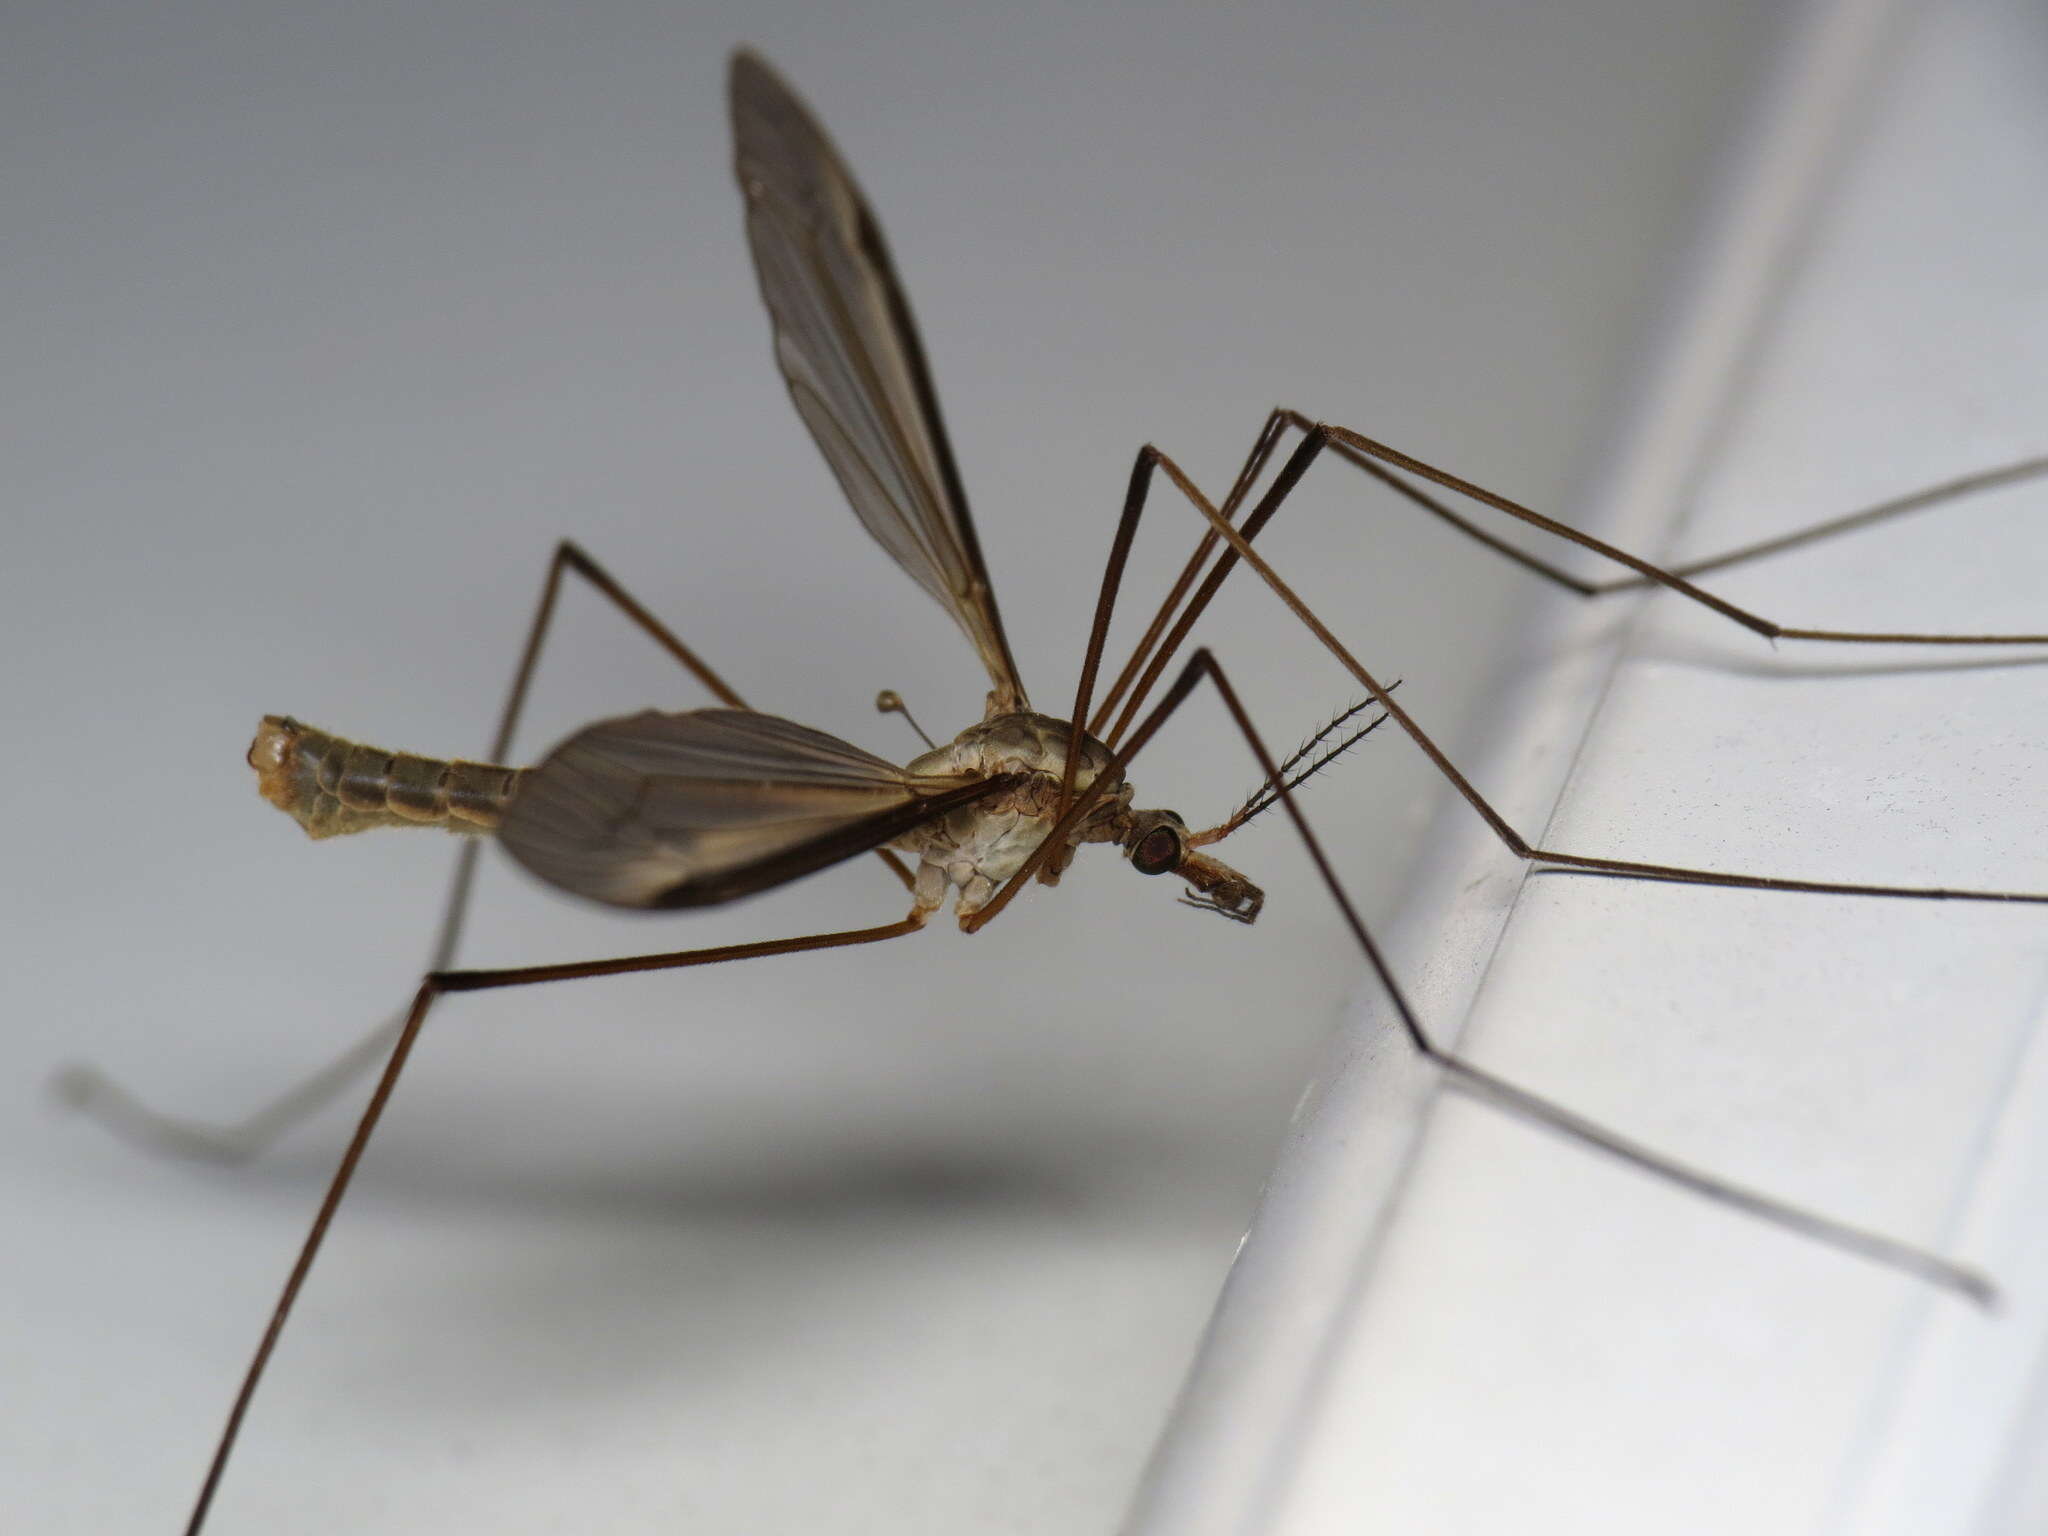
(330, 786)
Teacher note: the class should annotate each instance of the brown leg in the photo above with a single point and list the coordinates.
(1149, 458)
(432, 986)
(1363, 453)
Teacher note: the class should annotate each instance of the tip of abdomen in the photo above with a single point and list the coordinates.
(331, 787)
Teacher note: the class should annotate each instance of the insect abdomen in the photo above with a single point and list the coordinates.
(330, 786)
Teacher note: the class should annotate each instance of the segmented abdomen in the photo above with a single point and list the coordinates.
(330, 786)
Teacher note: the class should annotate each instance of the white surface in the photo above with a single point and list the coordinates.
(325, 322)
(1533, 1340)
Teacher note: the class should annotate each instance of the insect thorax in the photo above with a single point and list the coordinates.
(979, 847)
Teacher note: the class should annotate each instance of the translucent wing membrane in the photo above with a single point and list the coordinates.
(686, 810)
(849, 351)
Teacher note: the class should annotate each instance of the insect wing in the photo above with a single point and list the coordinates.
(849, 351)
(686, 810)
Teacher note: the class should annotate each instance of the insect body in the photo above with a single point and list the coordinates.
(649, 810)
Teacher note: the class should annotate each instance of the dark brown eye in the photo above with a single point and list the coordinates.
(1158, 852)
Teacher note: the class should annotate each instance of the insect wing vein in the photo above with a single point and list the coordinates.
(849, 352)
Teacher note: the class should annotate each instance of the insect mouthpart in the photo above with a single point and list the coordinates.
(1216, 887)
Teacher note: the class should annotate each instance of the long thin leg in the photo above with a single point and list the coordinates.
(1240, 549)
(1319, 435)
(1148, 460)
(1105, 606)
(1475, 1080)
(1863, 517)
(93, 1093)
(432, 986)
(1269, 505)
(1814, 533)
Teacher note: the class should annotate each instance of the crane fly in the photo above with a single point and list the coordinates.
(670, 810)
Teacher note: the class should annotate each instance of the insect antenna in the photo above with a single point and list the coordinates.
(1268, 794)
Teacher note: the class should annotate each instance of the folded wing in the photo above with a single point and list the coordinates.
(849, 351)
(685, 810)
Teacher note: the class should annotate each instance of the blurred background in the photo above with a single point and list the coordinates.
(326, 322)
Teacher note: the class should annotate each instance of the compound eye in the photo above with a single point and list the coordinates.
(1158, 852)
